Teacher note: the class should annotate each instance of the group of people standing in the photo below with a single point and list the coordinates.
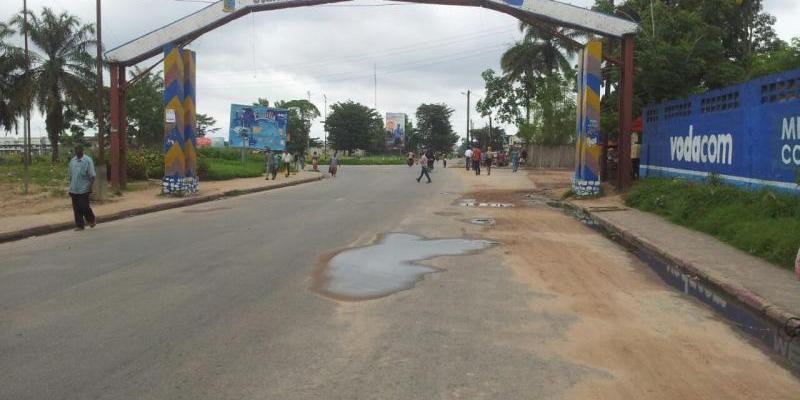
(276, 160)
(474, 158)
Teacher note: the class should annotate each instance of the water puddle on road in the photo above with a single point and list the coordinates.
(387, 267)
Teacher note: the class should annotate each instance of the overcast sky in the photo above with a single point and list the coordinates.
(422, 53)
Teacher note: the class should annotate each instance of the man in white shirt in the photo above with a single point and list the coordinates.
(287, 161)
(468, 157)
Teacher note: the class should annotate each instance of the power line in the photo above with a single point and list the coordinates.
(416, 47)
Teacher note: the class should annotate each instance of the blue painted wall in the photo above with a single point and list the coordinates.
(749, 134)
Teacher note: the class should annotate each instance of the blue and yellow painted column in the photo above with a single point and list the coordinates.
(180, 156)
(586, 181)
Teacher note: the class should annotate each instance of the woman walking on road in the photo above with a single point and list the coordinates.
(334, 164)
(423, 162)
(315, 162)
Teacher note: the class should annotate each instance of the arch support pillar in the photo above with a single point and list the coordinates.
(624, 165)
(119, 127)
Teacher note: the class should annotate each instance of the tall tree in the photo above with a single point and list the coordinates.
(544, 49)
(434, 127)
(64, 68)
(11, 65)
(352, 126)
(146, 109)
(206, 124)
(301, 114)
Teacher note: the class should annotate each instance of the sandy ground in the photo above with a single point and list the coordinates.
(653, 342)
(43, 207)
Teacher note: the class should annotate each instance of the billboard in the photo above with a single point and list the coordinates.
(395, 131)
(748, 134)
(258, 127)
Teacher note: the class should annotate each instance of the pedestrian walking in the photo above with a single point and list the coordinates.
(444, 160)
(315, 162)
(476, 160)
(423, 163)
(298, 162)
(524, 156)
(267, 158)
(287, 162)
(410, 159)
(430, 158)
(468, 157)
(489, 160)
(514, 159)
(273, 164)
(334, 164)
(81, 179)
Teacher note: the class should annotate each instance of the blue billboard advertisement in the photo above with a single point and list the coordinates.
(258, 127)
(748, 134)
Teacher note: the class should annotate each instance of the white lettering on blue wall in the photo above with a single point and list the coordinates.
(790, 152)
(705, 149)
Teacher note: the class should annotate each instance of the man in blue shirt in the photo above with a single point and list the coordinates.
(81, 178)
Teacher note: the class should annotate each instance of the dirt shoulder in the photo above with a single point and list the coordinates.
(18, 212)
(645, 339)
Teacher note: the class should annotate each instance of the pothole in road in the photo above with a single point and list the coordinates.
(387, 267)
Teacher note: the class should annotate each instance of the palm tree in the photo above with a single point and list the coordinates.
(11, 65)
(544, 50)
(64, 69)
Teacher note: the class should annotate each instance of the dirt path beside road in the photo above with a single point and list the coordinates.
(652, 342)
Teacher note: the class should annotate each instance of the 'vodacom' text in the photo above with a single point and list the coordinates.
(706, 149)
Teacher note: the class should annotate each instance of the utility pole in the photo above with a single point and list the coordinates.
(325, 126)
(99, 110)
(375, 83)
(468, 120)
(26, 129)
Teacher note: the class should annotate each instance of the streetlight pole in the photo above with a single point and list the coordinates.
(26, 129)
(325, 127)
(99, 110)
(468, 94)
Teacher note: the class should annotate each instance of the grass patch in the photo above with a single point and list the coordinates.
(42, 172)
(763, 223)
(220, 169)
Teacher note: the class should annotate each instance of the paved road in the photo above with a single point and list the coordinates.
(213, 302)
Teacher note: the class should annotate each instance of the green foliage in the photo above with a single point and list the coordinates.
(352, 126)
(762, 223)
(43, 172)
(689, 46)
(502, 100)
(146, 109)
(554, 109)
(62, 66)
(145, 163)
(485, 137)
(434, 129)
(206, 125)
(11, 63)
(301, 114)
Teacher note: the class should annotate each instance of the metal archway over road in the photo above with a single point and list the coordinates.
(183, 31)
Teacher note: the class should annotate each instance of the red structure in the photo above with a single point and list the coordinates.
(185, 30)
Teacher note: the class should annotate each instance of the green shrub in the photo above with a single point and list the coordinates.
(145, 163)
(763, 223)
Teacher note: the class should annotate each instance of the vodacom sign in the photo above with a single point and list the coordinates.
(705, 149)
